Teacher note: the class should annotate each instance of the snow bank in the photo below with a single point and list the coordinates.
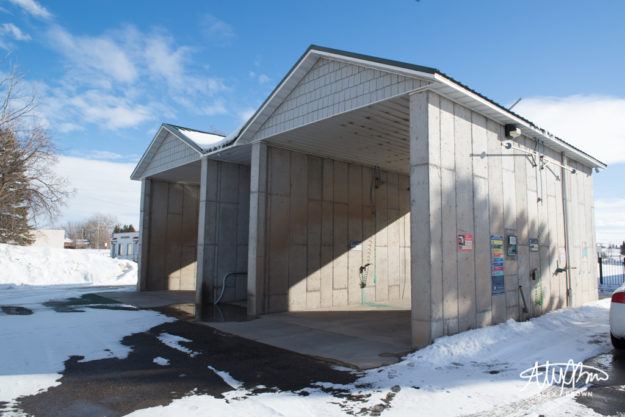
(474, 372)
(27, 265)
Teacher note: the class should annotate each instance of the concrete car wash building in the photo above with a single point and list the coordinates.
(362, 180)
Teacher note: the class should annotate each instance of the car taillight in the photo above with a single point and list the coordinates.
(618, 297)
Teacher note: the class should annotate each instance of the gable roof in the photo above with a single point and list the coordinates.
(441, 84)
(199, 141)
(206, 143)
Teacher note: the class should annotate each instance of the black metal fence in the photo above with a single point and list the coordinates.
(611, 271)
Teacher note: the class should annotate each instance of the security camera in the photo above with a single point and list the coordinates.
(512, 131)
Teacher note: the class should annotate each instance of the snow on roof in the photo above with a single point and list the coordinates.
(204, 140)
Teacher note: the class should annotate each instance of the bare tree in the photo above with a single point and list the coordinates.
(28, 186)
(96, 229)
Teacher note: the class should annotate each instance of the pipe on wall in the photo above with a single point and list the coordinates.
(567, 243)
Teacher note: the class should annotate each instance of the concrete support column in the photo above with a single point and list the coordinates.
(202, 238)
(144, 233)
(425, 220)
(258, 221)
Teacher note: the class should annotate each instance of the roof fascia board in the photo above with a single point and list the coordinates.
(274, 93)
(139, 169)
(549, 137)
(156, 141)
(390, 68)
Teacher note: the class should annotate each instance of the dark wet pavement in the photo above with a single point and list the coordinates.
(115, 387)
(607, 397)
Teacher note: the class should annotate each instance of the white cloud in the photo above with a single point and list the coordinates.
(68, 127)
(123, 78)
(246, 113)
(262, 78)
(164, 60)
(33, 8)
(610, 220)
(102, 54)
(110, 111)
(216, 108)
(217, 30)
(589, 122)
(168, 62)
(15, 32)
(101, 187)
(104, 155)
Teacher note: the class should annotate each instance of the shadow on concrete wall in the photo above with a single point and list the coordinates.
(172, 252)
(312, 262)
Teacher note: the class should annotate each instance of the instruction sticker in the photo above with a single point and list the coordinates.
(497, 265)
(355, 245)
(465, 242)
(533, 244)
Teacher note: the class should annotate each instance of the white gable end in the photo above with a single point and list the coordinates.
(172, 153)
(333, 87)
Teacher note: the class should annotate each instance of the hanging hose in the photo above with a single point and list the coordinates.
(376, 181)
(523, 298)
(223, 284)
(363, 275)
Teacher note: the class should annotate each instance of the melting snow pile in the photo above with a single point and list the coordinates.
(26, 265)
(475, 372)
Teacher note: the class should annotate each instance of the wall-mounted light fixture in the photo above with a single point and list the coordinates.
(512, 131)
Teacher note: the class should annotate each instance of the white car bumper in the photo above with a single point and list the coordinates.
(617, 320)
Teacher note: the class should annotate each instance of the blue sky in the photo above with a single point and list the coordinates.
(109, 72)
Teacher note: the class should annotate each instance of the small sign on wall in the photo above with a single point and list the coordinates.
(533, 244)
(355, 245)
(497, 265)
(465, 242)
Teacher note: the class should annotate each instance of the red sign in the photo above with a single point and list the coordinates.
(465, 242)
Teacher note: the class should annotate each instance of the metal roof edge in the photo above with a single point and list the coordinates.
(169, 128)
(416, 70)
(519, 119)
(135, 172)
(271, 95)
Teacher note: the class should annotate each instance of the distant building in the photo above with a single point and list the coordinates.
(49, 238)
(125, 245)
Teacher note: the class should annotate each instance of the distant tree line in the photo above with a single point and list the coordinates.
(127, 228)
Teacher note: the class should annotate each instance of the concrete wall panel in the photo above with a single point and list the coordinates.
(172, 236)
(331, 232)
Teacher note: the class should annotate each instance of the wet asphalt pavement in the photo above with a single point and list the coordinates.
(607, 397)
(115, 387)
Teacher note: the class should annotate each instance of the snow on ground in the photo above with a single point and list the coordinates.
(174, 341)
(35, 346)
(477, 371)
(27, 265)
(227, 378)
(161, 361)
